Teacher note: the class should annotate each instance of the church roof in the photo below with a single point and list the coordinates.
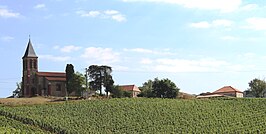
(30, 51)
(51, 74)
(56, 78)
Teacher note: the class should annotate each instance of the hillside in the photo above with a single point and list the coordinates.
(144, 116)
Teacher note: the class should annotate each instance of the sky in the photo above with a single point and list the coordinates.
(200, 45)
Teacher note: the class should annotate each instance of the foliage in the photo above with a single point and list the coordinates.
(10, 126)
(118, 93)
(18, 91)
(79, 83)
(257, 87)
(164, 88)
(143, 115)
(100, 76)
(146, 89)
(69, 78)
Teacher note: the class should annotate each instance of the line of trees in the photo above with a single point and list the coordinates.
(100, 77)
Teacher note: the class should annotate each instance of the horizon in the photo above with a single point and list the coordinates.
(199, 45)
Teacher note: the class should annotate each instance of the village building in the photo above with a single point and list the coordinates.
(131, 88)
(222, 92)
(36, 83)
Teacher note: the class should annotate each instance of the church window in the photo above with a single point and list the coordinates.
(35, 64)
(31, 63)
(26, 64)
(58, 87)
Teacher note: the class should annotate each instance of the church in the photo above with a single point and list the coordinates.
(35, 83)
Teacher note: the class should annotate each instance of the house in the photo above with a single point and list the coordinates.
(132, 88)
(224, 91)
(40, 83)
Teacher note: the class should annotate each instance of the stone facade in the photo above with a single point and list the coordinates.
(36, 83)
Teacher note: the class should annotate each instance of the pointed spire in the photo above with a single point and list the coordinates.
(29, 51)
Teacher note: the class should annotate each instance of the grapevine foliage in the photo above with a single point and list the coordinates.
(143, 115)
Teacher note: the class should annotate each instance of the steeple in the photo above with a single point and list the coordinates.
(30, 51)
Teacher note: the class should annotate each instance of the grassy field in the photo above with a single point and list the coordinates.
(25, 101)
(144, 116)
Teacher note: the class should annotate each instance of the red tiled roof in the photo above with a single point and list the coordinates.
(51, 74)
(130, 88)
(56, 78)
(227, 89)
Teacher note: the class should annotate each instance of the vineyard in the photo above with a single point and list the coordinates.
(139, 116)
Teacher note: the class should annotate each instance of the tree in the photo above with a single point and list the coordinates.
(108, 81)
(69, 78)
(78, 83)
(146, 89)
(118, 93)
(164, 88)
(100, 76)
(18, 91)
(257, 87)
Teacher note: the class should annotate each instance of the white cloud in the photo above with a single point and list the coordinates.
(55, 58)
(146, 61)
(139, 50)
(98, 55)
(224, 23)
(149, 51)
(249, 7)
(8, 14)
(214, 23)
(203, 24)
(40, 6)
(6, 38)
(229, 38)
(111, 12)
(119, 17)
(183, 65)
(120, 68)
(197, 65)
(224, 6)
(108, 14)
(70, 48)
(256, 23)
(88, 14)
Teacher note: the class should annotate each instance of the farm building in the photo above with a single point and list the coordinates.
(132, 88)
(224, 91)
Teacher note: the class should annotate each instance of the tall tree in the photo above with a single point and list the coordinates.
(69, 78)
(100, 76)
(257, 87)
(164, 88)
(108, 81)
(146, 89)
(78, 83)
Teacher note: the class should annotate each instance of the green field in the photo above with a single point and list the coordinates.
(141, 116)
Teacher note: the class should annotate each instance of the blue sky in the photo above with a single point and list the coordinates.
(201, 45)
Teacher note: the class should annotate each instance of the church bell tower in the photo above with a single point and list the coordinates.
(30, 68)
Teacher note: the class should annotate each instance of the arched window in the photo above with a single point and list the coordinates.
(35, 64)
(26, 64)
(31, 65)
